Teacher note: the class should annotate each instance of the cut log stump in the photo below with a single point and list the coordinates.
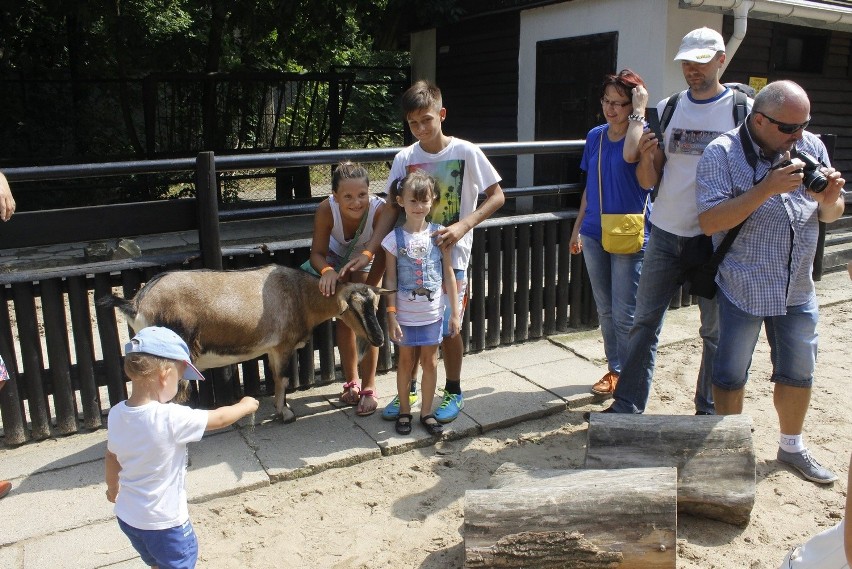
(583, 519)
(714, 457)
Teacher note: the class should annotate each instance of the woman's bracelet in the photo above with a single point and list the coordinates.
(635, 117)
(391, 309)
(368, 253)
(326, 269)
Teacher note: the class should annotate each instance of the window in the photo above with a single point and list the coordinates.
(798, 49)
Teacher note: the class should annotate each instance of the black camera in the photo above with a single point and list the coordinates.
(814, 180)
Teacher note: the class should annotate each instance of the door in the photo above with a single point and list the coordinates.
(569, 73)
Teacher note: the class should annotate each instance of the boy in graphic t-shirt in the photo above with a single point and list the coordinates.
(462, 172)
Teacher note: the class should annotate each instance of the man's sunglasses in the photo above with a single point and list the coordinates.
(786, 127)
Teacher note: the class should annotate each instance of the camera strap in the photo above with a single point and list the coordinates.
(728, 240)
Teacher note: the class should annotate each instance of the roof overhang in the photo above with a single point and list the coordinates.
(828, 14)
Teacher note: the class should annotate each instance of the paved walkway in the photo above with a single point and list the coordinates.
(57, 515)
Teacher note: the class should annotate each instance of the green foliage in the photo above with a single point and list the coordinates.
(75, 68)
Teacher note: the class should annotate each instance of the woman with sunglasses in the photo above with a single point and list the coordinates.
(611, 187)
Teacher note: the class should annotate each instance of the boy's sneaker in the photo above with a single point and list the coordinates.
(391, 410)
(807, 466)
(450, 407)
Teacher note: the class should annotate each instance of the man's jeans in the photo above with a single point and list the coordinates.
(657, 284)
(615, 279)
(792, 341)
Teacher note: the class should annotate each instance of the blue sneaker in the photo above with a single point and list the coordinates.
(391, 410)
(450, 407)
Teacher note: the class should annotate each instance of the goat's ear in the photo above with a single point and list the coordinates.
(383, 291)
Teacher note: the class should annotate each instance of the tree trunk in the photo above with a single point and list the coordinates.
(714, 457)
(582, 519)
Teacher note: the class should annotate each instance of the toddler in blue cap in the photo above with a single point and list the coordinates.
(146, 448)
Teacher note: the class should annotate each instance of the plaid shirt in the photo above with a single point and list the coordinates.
(769, 265)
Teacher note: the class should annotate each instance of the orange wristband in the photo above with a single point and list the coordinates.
(326, 269)
(391, 309)
(368, 253)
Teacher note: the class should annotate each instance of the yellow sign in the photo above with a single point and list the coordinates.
(757, 83)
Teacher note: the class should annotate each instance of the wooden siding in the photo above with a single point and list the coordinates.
(830, 92)
(477, 70)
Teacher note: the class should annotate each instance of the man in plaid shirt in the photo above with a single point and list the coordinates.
(765, 278)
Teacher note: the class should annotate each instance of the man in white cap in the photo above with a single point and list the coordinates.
(703, 112)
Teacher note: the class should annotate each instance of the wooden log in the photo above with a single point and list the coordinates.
(585, 519)
(714, 457)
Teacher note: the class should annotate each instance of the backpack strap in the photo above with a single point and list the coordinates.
(740, 109)
(669, 110)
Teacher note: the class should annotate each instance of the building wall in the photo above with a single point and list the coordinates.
(645, 29)
(829, 92)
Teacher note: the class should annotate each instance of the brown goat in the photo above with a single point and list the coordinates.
(227, 317)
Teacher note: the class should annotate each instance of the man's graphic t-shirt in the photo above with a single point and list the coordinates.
(693, 126)
(462, 172)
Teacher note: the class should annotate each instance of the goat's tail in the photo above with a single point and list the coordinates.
(128, 307)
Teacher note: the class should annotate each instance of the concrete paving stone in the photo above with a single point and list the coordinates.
(504, 399)
(96, 545)
(385, 436)
(569, 379)
(526, 354)
(52, 454)
(311, 444)
(223, 464)
(585, 343)
(54, 501)
(474, 365)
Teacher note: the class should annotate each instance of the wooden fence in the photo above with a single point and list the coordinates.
(64, 353)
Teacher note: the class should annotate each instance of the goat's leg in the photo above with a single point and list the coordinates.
(276, 363)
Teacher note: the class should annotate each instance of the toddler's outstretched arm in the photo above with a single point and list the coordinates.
(225, 416)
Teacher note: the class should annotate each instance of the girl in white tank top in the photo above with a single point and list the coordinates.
(343, 225)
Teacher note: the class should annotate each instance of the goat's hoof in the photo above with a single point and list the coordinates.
(287, 416)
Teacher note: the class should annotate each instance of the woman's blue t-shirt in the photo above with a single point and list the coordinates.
(621, 190)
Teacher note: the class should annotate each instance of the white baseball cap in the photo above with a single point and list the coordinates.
(163, 343)
(700, 45)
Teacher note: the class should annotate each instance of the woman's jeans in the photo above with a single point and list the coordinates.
(615, 279)
(657, 284)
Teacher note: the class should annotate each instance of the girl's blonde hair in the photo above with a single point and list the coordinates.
(420, 182)
(145, 367)
(348, 170)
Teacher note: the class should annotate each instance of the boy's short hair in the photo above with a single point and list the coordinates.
(422, 95)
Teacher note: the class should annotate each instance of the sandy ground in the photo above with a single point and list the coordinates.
(407, 510)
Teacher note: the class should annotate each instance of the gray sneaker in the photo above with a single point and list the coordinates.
(807, 466)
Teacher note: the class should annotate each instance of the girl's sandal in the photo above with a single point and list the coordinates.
(432, 426)
(368, 403)
(403, 424)
(351, 393)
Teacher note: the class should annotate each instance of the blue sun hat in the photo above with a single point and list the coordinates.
(163, 343)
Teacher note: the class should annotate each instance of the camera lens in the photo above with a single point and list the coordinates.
(815, 181)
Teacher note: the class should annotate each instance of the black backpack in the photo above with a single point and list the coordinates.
(741, 91)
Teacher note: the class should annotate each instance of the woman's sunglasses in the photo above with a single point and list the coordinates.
(786, 127)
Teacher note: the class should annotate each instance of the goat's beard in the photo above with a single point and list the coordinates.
(183, 391)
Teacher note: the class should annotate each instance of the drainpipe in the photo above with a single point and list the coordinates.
(741, 11)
